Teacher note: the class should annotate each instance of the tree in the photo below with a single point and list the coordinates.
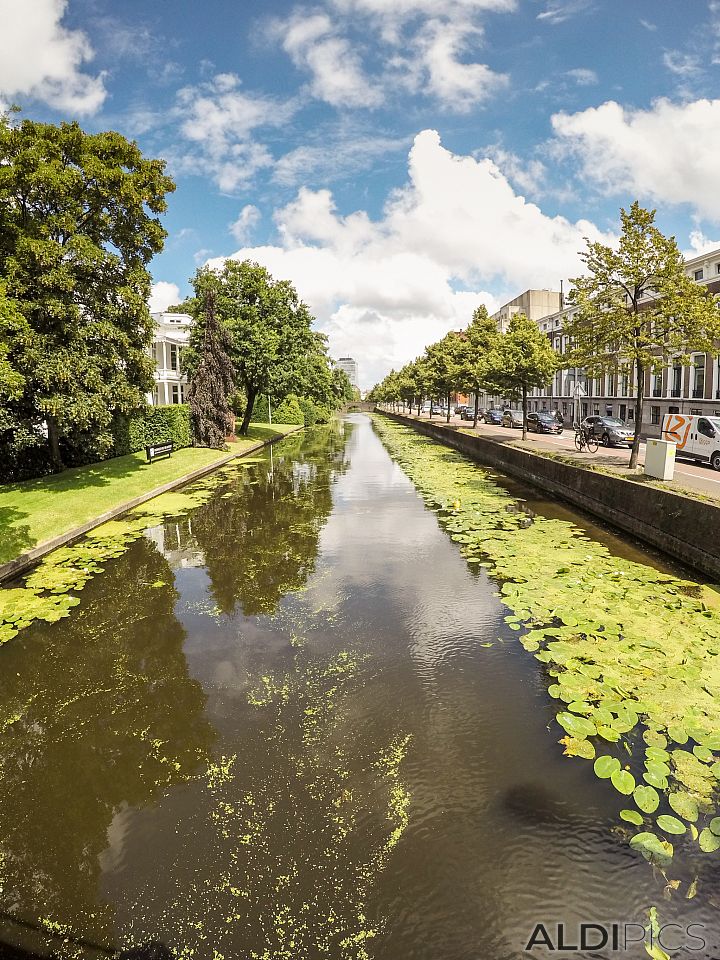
(446, 361)
(523, 359)
(481, 339)
(78, 226)
(212, 380)
(269, 325)
(637, 308)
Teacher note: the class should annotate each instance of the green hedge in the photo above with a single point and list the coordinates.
(153, 425)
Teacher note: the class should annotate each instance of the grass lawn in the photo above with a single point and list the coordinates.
(38, 510)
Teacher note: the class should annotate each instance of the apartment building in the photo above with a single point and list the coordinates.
(172, 334)
(669, 388)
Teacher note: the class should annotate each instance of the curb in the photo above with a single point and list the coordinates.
(18, 566)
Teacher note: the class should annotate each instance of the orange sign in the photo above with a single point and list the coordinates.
(677, 429)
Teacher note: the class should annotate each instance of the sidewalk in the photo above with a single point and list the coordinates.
(691, 479)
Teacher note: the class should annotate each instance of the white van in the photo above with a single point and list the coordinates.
(697, 438)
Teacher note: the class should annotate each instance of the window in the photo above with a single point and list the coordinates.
(176, 393)
(676, 390)
(655, 415)
(608, 409)
(717, 267)
(564, 409)
(656, 383)
(174, 356)
(596, 409)
(695, 411)
(631, 413)
(673, 409)
(705, 427)
(584, 410)
(698, 376)
(698, 275)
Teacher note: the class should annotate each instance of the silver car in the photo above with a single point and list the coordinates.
(611, 431)
(512, 418)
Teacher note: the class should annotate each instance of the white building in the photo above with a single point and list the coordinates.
(350, 367)
(172, 334)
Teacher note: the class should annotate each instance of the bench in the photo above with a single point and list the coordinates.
(158, 450)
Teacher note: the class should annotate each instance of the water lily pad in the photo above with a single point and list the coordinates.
(671, 824)
(677, 733)
(646, 798)
(714, 826)
(623, 781)
(632, 816)
(606, 766)
(709, 841)
(703, 754)
(652, 847)
(684, 805)
(576, 726)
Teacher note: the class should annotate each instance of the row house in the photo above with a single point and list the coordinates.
(172, 335)
(669, 388)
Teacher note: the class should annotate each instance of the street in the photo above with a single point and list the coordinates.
(697, 478)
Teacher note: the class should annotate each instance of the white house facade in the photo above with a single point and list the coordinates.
(172, 335)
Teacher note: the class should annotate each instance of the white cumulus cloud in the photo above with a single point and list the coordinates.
(41, 58)
(163, 295)
(248, 218)
(383, 289)
(667, 153)
(219, 121)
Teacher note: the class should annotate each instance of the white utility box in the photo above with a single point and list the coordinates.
(660, 459)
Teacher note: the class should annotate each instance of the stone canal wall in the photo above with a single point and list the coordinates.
(684, 528)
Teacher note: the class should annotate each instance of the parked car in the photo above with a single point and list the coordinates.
(610, 430)
(544, 422)
(512, 418)
(494, 417)
(459, 408)
(437, 411)
(468, 413)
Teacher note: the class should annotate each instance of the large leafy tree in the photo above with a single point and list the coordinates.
(211, 381)
(523, 359)
(481, 340)
(268, 323)
(638, 308)
(446, 363)
(78, 227)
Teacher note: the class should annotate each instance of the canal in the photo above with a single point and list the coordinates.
(291, 721)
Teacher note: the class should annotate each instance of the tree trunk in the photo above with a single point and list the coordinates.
(477, 404)
(447, 416)
(252, 394)
(524, 411)
(639, 398)
(54, 444)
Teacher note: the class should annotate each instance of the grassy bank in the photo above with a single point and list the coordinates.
(39, 510)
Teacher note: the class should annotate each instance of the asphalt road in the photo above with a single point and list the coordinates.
(688, 475)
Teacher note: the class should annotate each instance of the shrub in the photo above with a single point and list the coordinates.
(260, 410)
(152, 425)
(310, 411)
(289, 411)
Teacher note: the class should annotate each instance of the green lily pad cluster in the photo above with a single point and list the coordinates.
(47, 593)
(632, 653)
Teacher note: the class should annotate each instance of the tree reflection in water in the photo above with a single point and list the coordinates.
(98, 713)
(263, 544)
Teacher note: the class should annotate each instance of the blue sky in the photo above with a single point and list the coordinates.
(400, 161)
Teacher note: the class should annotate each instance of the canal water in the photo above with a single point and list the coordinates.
(293, 723)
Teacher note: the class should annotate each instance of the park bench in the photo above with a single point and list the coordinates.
(157, 450)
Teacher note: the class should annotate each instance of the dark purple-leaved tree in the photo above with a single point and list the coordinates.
(212, 380)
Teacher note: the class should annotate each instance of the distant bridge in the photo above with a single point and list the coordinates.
(359, 406)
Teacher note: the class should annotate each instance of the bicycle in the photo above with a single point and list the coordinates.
(584, 439)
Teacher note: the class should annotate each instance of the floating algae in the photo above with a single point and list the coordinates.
(299, 836)
(47, 591)
(633, 654)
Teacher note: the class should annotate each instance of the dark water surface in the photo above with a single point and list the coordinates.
(283, 727)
